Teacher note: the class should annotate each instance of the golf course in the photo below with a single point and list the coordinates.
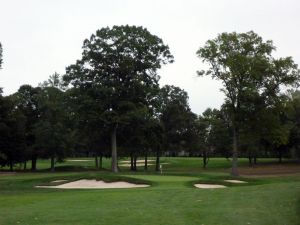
(171, 198)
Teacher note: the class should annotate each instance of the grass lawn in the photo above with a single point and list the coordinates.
(171, 199)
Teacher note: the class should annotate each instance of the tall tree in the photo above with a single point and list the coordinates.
(176, 117)
(49, 131)
(12, 133)
(243, 62)
(122, 63)
(27, 102)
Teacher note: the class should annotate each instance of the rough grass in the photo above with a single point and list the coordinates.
(171, 199)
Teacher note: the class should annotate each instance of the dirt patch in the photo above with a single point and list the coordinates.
(270, 170)
(94, 184)
(209, 186)
(7, 173)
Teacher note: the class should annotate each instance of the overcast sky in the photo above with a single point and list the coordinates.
(40, 37)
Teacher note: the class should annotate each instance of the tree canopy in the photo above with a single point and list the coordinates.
(121, 64)
(243, 62)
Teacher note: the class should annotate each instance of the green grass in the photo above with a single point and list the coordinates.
(171, 199)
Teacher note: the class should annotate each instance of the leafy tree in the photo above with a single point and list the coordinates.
(294, 140)
(244, 64)
(212, 134)
(12, 133)
(176, 118)
(49, 131)
(54, 80)
(121, 63)
(27, 102)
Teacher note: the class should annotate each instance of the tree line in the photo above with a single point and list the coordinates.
(109, 104)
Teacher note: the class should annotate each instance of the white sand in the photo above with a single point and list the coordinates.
(209, 186)
(79, 160)
(138, 161)
(58, 181)
(94, 184)
(236, 181)
(138, 164)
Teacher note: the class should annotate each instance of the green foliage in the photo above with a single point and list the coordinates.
(176, 118)
(118, 70)
(252, 80)
(49, 131)
(12, 133)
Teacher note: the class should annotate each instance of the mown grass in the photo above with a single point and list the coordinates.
(171, 199)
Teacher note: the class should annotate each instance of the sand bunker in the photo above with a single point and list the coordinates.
(58, 181)
(138, 164)
(138, 161)
(79, 160)
(94, 184)
(236, 181)
(209, 186)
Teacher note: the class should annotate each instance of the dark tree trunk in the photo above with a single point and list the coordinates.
(250, 160)
(134, 163)
(33, 162)
(157, 161)
(96, 162)
(11, 168)
(234, 169)
(205, 159)
(25, 165)
(100, 161)
(52, 163)
(131, 161)
(146, 162)
(280, 156)
(114, 157)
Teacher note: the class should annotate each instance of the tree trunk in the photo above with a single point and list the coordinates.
(234, 169)
(25, 165)
(157, 161)
(131, 161)
(52, 163)
(255, 160)
(96, 162)
(280, 155)
(205, 159)
(134, 163)
(250, 160)
(33, 162)
(146, 162)
(100, 161)
(11, 166)
(114, 157)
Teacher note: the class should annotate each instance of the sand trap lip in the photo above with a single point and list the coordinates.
(236, 181)
(94, 184)
(209, 186)
(79, 160)
(58, 181)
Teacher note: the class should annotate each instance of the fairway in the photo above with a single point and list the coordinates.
(171, 198)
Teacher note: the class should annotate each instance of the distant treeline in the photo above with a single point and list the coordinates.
(110, 98)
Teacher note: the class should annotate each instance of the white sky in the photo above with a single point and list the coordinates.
(40, 37)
